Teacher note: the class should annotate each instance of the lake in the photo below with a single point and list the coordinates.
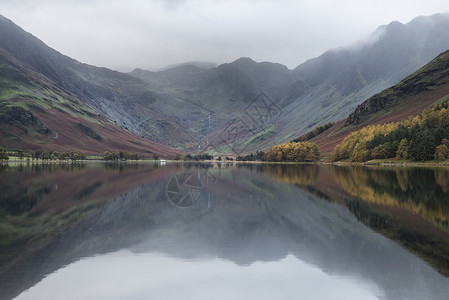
(223, 231)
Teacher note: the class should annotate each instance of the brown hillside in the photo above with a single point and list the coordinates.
(67, 136)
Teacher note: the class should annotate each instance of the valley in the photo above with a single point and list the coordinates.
(232, 109)
(226, 174)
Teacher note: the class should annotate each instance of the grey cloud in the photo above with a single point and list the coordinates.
(153, 33)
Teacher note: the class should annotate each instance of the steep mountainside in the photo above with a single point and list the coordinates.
(426, 87)
(37, 112)
(119, 97)
(323, 89)
(340, 79)
(241, 106)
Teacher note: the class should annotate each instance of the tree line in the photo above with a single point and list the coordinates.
(294, 152)
(120, 156)
(44, 155)
(420, 138)
(198, 157)
(47, 155)
(291, 151)
(258, 156)
(313, 133)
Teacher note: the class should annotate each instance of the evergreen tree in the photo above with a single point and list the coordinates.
(3, 155)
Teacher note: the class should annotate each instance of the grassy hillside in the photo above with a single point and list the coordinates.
(37, 114)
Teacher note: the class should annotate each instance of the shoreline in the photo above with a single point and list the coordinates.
(340, 163)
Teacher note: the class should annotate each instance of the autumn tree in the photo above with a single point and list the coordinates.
(300, 151)
(402, 152)
(418, 138)
(442, 151)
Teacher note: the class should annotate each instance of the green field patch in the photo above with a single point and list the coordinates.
(260, 136)
(441, 100)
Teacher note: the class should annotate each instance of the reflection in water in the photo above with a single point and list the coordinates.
(410, 205)
(417, 190)
(293, 174)
(185, 189)
(182, 279)
(103, 232)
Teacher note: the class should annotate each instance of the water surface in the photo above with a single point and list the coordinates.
(223, 231)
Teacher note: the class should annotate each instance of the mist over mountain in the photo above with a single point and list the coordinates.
(340, 79)
(200, 64)
(323, 89)
(240, 106)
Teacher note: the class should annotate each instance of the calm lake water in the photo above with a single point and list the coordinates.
(223, 231)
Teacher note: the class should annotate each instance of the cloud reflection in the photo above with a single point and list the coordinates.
(125, 275)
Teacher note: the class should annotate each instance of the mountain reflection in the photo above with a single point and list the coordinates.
(236, 213)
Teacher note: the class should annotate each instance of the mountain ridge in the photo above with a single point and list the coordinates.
(424, 88)
(39, 113)
(170, 107)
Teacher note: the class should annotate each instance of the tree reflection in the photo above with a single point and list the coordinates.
(420, 191)
(293, 174)
(409, 205)
(442, 178)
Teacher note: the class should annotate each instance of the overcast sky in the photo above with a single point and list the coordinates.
(150, 34)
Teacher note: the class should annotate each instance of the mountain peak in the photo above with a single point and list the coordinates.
(430, 19)
(205, 65)
(244, 61)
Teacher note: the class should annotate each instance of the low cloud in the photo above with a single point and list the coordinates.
(151, 34)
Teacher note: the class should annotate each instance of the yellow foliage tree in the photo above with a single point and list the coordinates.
(300, 151)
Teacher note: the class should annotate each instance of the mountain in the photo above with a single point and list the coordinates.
(238, 107)
(211, 101)
(426, 87)
(47, 100)
(321, 90)
(340, 79)
(200, 64)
